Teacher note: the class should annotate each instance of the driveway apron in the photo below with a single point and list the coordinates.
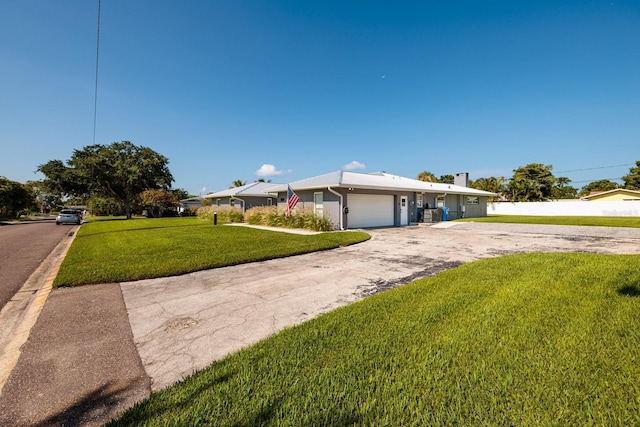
(182, 324)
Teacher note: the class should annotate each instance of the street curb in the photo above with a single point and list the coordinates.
(20, 314)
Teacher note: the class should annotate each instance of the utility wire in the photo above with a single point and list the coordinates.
(95, 95)
(599, 167)
(594, 180)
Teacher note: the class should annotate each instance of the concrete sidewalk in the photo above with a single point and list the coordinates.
(95, 350)
(79, 366)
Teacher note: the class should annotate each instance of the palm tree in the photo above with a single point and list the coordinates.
(426, 176)
(238, 183)
(492, 184)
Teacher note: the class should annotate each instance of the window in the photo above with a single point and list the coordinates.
(318, 203)
(217, 202)
(269, 201)
(473, 200)
(419, 200)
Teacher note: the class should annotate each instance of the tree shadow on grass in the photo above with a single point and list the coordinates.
(630, 290)
(183, 394)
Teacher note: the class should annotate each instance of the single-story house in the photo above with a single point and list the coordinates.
(192, 202)
(616, 195)
(359, 200)
(245, 197)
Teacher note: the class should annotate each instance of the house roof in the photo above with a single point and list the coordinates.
(601, 194)
(377, 181)
(255, 189)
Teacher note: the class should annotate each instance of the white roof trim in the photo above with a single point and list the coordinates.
(377, 181)
(254, 189)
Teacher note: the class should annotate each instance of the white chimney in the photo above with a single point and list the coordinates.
(461, 179)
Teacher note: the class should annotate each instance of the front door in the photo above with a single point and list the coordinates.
(404, 211)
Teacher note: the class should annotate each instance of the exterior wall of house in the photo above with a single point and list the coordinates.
(615, 197)
(459, 205)
(330, 208)
(249, 202)
(191, 204)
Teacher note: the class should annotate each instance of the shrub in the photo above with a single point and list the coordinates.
(299, 218)
(225, 214)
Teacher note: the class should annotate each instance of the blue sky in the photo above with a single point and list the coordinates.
(285, 90)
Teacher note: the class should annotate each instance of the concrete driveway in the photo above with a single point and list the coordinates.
(183, 323)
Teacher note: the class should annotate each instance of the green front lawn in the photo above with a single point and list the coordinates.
(531, 339)
(123, 250)
(602, 221)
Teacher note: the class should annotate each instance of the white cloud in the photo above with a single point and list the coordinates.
(268, 170)
(354, 165)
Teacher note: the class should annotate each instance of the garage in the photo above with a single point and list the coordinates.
(370, 210)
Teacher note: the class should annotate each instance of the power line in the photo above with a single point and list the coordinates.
(95, 95)
(594, 180)
(591, 169)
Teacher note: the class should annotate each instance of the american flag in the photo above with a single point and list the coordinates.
(292, 201)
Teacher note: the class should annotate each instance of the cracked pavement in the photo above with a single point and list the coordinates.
(182, 324)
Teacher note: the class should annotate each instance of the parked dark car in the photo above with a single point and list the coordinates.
(69, 216)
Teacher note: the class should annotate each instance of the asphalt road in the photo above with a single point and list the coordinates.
(23, 247)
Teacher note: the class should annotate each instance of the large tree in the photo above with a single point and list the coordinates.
(632, 180)
(600, 185)
(45, 201)
(562, 189)
(120, 171)
(157, 202)
(446, 179)
(15, 198)
(535, 182)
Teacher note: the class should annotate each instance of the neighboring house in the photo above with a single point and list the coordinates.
(244, 197)
(358, 200)
(193, 202)
(616, 195)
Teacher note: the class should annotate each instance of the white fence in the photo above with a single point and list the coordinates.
(566, 208)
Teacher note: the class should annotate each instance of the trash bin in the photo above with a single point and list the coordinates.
(445, 213)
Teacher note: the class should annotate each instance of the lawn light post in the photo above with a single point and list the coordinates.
(215, 218)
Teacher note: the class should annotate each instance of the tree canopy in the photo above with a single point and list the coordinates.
(15, 198)
(426, 176)
(600, 185)
(120, 171)
(491, 184)
(158, 201)
(632, 180)
(446, 179)
(535, 182)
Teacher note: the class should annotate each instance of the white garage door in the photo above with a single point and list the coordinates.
(370, 210)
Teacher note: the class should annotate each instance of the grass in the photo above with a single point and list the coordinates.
(602, 221)
(530, 339)
(123, 250)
